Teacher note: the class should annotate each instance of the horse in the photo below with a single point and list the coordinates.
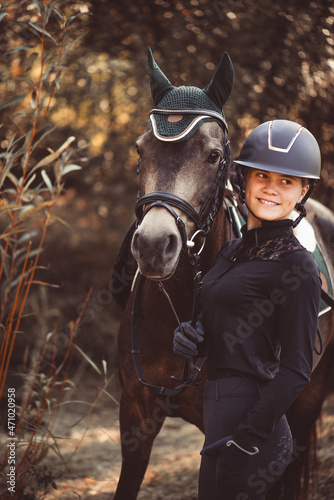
(185, 213)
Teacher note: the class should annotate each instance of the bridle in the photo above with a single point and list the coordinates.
(204, 218)
(203, 221)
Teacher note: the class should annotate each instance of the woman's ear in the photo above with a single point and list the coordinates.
(303, 192)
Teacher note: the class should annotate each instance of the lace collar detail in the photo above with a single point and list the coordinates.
(272, 241)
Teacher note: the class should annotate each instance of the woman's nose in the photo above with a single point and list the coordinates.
(271, 187)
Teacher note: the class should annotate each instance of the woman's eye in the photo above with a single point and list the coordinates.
(214, 157)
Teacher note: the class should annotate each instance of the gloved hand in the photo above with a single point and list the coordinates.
(186, 340)
(233, 459)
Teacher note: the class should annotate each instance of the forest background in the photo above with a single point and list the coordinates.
(283, 56)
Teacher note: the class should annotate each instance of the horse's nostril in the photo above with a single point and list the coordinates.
(171, 245)
(156, 254)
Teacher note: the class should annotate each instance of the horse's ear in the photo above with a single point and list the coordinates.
(158, 81)
(220, 87)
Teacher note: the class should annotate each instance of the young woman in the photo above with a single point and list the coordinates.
(260, 306)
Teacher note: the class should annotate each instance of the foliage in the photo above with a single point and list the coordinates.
(31, 182)
(28, 192)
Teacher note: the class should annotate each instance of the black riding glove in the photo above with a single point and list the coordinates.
(233, 459)
(186, 339)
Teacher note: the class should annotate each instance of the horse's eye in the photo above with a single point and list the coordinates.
(214, 157)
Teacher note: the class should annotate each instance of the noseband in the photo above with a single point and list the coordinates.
(170, 201)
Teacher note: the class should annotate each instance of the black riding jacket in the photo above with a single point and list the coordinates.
(260, 309)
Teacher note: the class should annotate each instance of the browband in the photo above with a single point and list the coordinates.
(186, 111)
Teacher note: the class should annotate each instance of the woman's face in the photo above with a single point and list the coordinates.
(271, 196)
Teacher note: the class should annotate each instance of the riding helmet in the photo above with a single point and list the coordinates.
(284, 147)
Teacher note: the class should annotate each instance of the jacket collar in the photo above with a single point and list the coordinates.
(268, 230)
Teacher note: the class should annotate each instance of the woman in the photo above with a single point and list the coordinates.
(260, 305)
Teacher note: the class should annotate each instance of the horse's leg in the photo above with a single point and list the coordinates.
(139, 426)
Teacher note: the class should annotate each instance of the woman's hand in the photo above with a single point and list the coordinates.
(186, 339)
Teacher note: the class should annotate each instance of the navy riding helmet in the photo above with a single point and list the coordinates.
(284, 147)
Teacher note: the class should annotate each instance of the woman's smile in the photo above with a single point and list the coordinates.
(268, 203)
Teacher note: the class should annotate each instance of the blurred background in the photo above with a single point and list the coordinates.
(283, 55)
(80, 90)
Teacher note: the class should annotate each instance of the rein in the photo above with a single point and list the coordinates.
(203, 221)
(189, 373)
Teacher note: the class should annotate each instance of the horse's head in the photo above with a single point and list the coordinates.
(183, 153)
